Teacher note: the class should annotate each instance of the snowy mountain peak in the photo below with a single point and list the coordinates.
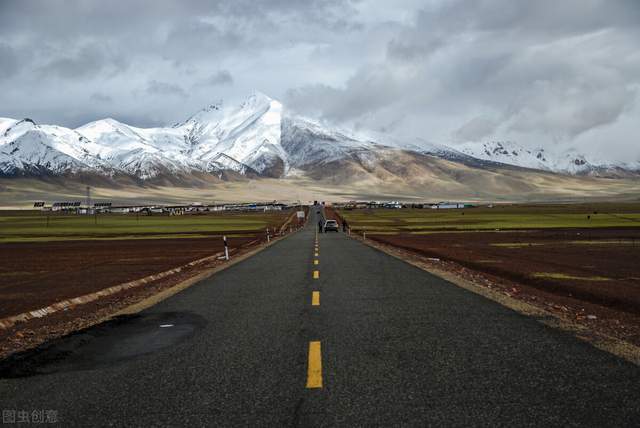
(212, 107)
(111, 135)
(567, 161)
(214, 113)
(257, 137)
(103, 125)
(27, 121)
(16, 127)
(211, 114)
(257, 100)
(249, 134)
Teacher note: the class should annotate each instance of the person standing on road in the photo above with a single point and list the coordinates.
(320, 226)
(344, 226)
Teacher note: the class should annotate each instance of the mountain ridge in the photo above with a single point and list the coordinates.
(560, 161)
(258, 138)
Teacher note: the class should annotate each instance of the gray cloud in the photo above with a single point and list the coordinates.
(183, 41)
(8, 61)
(88, 61)
(220, 77)
(155, 87)
(544, 72)
(101, 98)
(475, 129)
(411, 49)
(539, 72)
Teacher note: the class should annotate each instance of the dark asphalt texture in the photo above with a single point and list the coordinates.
(399, 347)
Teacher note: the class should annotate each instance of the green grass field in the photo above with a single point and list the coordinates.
(29, 226)
(392, 221)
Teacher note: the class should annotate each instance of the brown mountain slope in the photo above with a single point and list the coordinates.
(383, 174)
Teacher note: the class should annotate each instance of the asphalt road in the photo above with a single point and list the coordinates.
(393, 346)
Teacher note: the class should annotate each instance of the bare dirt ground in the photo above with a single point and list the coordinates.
(597, 266)
(591, 275)
(37, 274)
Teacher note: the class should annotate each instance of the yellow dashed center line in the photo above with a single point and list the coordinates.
(314, 372)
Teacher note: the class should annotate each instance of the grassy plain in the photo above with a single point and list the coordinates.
(510, 217)
(30, 226)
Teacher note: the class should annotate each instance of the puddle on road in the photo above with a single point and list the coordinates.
(106, 344)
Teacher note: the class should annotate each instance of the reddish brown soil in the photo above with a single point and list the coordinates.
(545, 251)
(38, 274)
(35, 275)
(26, 335)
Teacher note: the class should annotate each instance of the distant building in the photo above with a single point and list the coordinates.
(393, 205)
(65, 206)
(450, 205)
(102, 207)
(120, 210)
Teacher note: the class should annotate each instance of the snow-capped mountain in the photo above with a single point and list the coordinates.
(27, 147)
(563, 161)
(249, 134)
(222, 162)
(257, 138)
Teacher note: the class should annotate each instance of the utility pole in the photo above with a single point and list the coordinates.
(88, 199)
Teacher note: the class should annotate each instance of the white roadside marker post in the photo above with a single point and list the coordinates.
(226, 248)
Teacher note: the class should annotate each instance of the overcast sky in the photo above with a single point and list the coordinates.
(543, 72)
